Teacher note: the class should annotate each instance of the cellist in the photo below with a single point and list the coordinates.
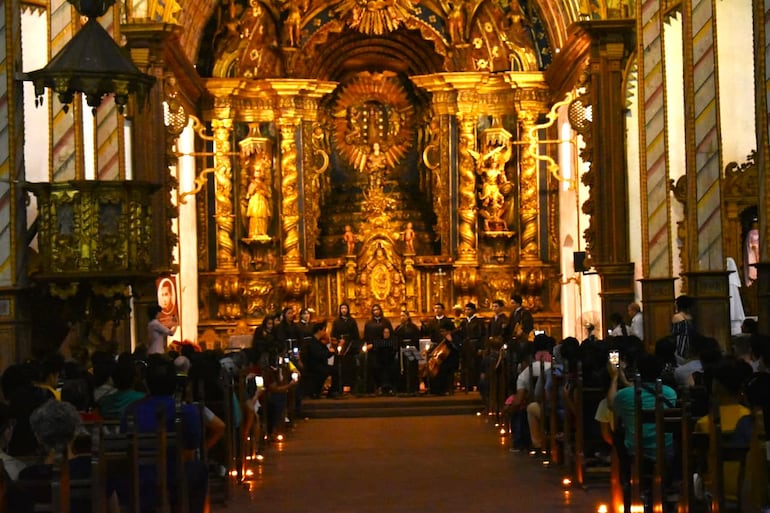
(443, 361)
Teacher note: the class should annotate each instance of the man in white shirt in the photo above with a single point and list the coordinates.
(157, 333)
(637, 326)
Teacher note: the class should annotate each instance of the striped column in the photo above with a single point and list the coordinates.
(108, 136)
(12, 218)
(63, 156)
(702, 135)
(652, 141)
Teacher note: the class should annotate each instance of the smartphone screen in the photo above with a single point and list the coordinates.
(259, 381)
(294, 376)
(615, 357)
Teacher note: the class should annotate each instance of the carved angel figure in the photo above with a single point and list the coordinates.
(491, 168)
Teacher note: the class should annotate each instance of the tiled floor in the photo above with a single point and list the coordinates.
(447, 464)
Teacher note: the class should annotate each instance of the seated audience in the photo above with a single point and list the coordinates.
(113, 404)
(55, 425)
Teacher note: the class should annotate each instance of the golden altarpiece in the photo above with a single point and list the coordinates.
(392, 154)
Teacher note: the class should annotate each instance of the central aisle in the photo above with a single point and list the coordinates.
(447, 464)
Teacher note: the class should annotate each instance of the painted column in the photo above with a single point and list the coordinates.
(66, 135)
(655, 196)
(108, 130)
(14, 337)
(657, 284)
(706, 279)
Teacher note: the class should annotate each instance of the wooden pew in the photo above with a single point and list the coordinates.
(553, 418)
(152, 450)
(723, 449)
(667, 419)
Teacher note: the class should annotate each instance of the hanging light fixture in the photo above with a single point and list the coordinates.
(91, 63)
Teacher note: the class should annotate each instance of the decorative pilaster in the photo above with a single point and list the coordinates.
(655, 195)
(702, 136)
(529, 187)
(607, 234)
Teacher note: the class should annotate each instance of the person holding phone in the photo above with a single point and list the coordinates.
(277, 381)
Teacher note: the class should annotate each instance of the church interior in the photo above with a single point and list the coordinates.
(240, 156)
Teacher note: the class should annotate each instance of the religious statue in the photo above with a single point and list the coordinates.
(349, 238)
(258, 209)
(455, 21)
(408, 236)
(491, 168)
(293, 24)
(375, 166)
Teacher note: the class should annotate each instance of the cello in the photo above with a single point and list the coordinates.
(437, 358)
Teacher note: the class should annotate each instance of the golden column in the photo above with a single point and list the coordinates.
(531, 93)
(295, 99)
(223, 193)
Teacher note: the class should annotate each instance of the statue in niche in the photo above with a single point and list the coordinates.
(408, 236)
(293, 24)
(349, 239)
(455, 21)
(491, 168)
(375, 166)
(258, 209)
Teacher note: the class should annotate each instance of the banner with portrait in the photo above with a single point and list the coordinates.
(167, 300)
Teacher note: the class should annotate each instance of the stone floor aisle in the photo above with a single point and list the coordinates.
(447, 464)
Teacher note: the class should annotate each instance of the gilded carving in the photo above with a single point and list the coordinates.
(257, 294)
(223, 191)
(257, 184)
(227, 289)
(316, 158)
(373, 108)
(467, 188)
(490, 167)
(290, 203)
(380, 279)
(528, 189)
(374, 17)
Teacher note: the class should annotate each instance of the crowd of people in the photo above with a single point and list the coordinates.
(47, 402)
(733, 375)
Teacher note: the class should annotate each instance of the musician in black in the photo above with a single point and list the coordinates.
(474, 333)
(383, 350)
(345, 336)
(286, 332)
(407, 331)
(432, 327)
(443, 361)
